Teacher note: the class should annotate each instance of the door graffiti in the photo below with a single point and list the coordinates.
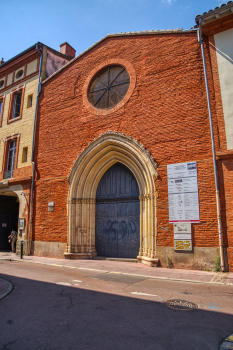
(118, 214)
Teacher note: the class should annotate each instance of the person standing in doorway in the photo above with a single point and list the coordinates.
(13, 239)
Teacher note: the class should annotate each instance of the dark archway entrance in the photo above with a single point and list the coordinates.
(9, 214)
(118, 214)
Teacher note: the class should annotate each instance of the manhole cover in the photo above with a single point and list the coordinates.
(178, 304)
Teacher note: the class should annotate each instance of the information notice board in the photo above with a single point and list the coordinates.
(183, 192)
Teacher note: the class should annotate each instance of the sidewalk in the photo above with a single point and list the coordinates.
(128, 268)
(5, 288)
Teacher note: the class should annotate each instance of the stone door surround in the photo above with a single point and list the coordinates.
(89, 167)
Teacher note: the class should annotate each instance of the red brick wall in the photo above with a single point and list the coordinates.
(225, 166)
(205, 234)
(218, 26)
(225, 173)
(20, 173)
(51, 226)
(167, 113)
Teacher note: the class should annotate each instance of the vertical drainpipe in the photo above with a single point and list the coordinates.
(200, 40)
(32, 157)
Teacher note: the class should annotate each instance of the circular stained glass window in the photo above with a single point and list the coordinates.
(108, 87)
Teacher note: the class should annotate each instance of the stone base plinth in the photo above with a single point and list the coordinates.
(48, 249)
(148, 261)
(79, 255)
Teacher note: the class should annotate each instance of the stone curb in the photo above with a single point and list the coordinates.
(9, 289)
(123, 273)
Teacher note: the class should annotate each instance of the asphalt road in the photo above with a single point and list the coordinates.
(62, 308)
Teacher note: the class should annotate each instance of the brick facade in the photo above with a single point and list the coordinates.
(224, 155)
(167, 112)
(16, 172)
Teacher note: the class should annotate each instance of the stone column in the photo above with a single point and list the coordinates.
(81, 235)
(71, 225)
(141, 226)
(92, 249)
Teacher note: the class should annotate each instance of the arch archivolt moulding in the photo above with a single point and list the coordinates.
(89, 167)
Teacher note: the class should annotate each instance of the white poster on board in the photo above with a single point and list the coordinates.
(183, 192)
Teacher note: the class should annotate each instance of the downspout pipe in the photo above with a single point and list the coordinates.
(32, 157)
(200, 40)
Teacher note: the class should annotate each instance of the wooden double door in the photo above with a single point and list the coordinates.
(118, 214)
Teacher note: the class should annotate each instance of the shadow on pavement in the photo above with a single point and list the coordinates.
(47, 316)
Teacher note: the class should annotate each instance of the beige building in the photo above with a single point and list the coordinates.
(20, 79)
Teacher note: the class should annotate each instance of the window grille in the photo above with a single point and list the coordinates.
(109, 87)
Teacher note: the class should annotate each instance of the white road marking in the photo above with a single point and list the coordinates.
(76, 281)
(64, 283)
(85, 268)
(115, 272)
(70, 267)
(139, 293)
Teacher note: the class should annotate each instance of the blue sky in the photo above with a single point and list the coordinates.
(83, 22)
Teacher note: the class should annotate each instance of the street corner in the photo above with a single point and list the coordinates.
(227, 343)
(5, 288)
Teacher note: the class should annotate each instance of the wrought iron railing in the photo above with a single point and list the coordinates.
(8, 174)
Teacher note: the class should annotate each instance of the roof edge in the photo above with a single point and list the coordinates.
(68, 57)
(20, 54)
(214, 14)
(145, 32)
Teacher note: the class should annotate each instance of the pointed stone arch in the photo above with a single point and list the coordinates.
(108, 149)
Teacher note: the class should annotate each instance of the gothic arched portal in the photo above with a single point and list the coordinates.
(90, 166)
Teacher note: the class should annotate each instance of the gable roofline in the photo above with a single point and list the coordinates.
(20, 54)
(32, 48)
(145, 32)
(218, 12)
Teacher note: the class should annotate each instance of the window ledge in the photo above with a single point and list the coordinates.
(20, 180)
(224, 154)
(13, 120)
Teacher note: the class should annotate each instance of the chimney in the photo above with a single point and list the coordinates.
(2, 61)
(66, 49)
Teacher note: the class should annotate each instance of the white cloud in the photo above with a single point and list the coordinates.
(168, 2)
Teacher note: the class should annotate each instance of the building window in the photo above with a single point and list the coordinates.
(1, 83)
(29, 104)
(2, 98)
(108, 87)
(25, 155)
(16, 105)
(19, 74)
(10, 159)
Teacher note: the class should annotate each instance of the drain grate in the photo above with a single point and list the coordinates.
(112, 277)
(178, 304)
